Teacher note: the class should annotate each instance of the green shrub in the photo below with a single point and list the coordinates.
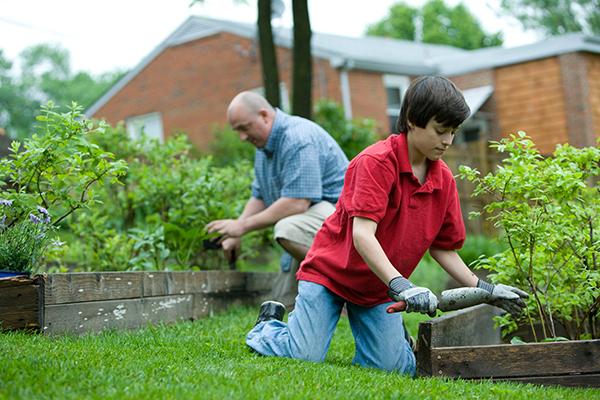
(156, 219)
(549, 210)
(227, 148)
(352, 136)
(479, 247)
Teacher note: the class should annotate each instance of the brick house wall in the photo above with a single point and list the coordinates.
(530, 98)
(191, 85)
(593, 79)
(368, 98)
(490, 107)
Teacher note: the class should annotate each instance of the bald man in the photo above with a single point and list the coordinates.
(299, 173)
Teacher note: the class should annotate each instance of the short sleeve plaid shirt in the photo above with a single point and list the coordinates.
(300, 160)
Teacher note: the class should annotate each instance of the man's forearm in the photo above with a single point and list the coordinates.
(454, 266)
(253, 206)
(284, 207)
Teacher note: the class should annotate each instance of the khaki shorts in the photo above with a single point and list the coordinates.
(302, 228)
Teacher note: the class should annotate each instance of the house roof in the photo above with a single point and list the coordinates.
(371, 53)
(494, 57)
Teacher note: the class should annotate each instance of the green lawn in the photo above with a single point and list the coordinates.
(207, 359)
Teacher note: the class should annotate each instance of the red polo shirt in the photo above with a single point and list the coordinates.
(411, 218)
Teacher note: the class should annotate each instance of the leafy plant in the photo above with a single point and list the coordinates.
(227, 148)
(56, 169)
(352, 136)
(157, 216)
(549, 209)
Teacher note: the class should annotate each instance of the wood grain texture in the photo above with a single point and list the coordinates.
(531, 359)
(97, 316)
(21, 303)
(91, 286)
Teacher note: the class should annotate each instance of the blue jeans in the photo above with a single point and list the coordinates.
(378, 336)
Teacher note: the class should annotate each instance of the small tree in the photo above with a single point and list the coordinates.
(549, 210)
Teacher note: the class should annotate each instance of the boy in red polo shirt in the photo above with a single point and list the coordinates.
(399, 200)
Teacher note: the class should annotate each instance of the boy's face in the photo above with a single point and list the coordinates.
(433, 140)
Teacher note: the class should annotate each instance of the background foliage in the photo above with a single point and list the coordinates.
(45, 75)
(441, 24)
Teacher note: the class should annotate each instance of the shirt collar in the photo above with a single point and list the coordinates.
(433, 179)
(276, 134)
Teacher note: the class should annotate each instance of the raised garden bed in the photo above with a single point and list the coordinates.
(92, 302)
(464, 344)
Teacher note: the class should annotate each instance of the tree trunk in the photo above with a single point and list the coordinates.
(302, 74)
(268, 56)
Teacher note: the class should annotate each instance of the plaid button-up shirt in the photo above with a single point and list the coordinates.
(300, 160)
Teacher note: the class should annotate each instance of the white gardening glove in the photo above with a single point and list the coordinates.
(506, 297)
(418, 299)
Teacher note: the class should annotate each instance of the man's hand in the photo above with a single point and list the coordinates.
(231, 248)
(505, 297)
(227, 228)
(418, 299)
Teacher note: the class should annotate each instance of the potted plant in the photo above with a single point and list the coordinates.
(548, 209)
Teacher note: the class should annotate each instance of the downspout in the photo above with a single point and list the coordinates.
(345, 88)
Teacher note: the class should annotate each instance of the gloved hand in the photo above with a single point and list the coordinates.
(505, 297)
(418, 299)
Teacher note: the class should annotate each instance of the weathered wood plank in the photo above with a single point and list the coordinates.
(260, 281)
(532, 359)
(471, 326)
(161, 283)
(21, 303)
(207, 304)
(571, 380)
(15, 281)
(117, 314)
(225, 281)
(92, 286)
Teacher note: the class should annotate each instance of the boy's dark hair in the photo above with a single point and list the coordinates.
(432, 96)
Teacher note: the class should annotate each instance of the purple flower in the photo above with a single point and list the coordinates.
(42, 210)
(34, 219)
(5, 202)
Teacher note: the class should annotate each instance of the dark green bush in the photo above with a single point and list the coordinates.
(156, 218)
(352, 136)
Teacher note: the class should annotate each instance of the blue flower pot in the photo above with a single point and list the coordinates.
(10, 274)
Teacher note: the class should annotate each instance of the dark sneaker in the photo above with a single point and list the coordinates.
(270, 310)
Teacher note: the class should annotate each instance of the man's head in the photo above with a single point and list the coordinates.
(432, 97)
(252, 117)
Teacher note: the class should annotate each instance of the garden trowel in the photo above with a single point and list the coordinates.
(215, 244)
(453, 299)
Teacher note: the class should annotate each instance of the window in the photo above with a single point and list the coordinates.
(473, 129)
(395, 87)
(148, 124)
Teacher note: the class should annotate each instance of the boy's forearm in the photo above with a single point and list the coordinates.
(367, 245)
(451, 262)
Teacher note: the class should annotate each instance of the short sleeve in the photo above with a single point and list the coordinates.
(256, 189)
(451, 235)
(301, 174)
(367, 187)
